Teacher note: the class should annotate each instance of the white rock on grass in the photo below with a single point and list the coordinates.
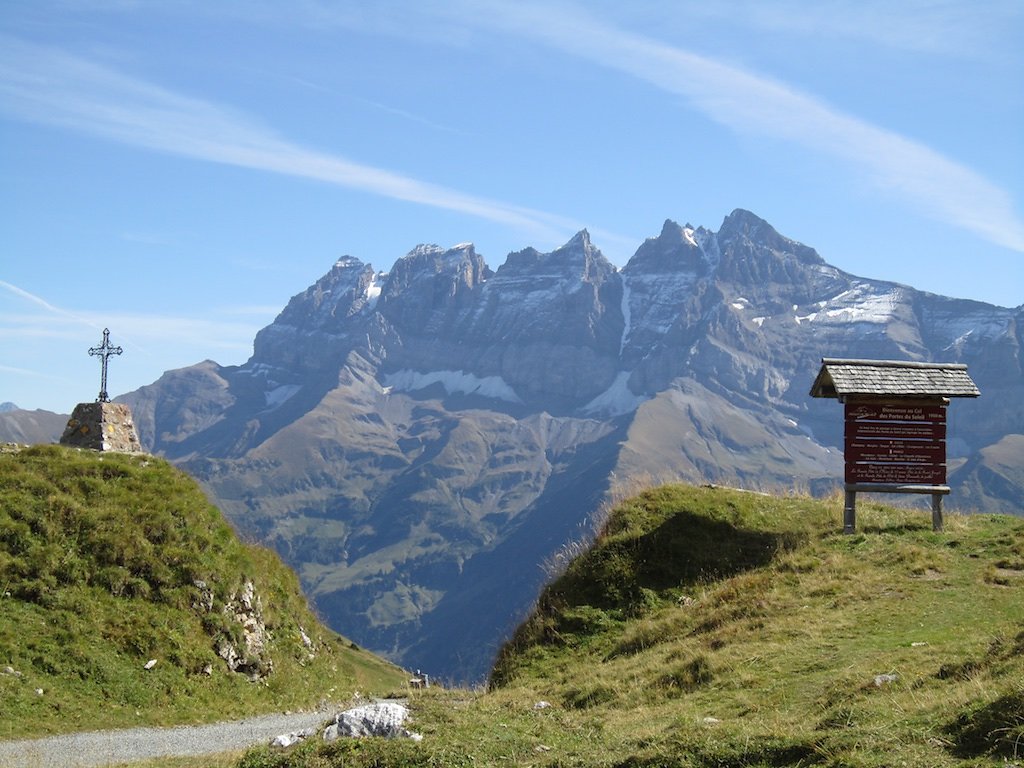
(382, 718)
(288, 739)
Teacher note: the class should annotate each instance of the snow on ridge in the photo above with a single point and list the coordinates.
(256, 369)
(876, 308)
(454, 382)
(617, 400)
(373, 289)
(855, 305)
(280, 394)
(688, 236)
(627, 316)
(424, 249)
(958, 343)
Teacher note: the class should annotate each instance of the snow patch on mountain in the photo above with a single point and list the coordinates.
(878, 309)
(280, 394)
(859, 304)
(627, 316)
(454, 382)
(618, 399)
(373, 289)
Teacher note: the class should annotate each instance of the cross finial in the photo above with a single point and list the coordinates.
(104, 351)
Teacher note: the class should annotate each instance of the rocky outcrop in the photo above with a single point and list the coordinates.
(244, 642)
(251, 656)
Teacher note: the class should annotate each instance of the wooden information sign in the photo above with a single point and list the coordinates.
(902, 443)
(895, 429)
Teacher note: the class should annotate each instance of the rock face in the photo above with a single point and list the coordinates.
(245, 647)
(252, 656)
(415, 443)
(102, 427)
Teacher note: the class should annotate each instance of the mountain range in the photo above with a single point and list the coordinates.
(423, 445)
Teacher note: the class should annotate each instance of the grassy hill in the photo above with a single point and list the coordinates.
(110, 561)
(715, 628)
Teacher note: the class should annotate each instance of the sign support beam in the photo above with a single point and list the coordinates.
(852, 489)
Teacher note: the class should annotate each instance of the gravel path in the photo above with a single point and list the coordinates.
(97, 748)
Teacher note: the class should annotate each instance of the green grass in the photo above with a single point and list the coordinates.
(100, 556)
(705, 627)
(709, 627)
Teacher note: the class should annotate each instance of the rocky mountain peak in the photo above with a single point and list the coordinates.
(324, 308)
(427, 261)
(676, 249)
(741, 230)
(316, 325)
(755, 256)
(578, 260)
(338, 294)
(429, 283)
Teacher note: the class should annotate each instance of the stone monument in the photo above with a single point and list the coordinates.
(103, 425)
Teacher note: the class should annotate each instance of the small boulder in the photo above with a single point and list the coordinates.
(382, 718)
(288, 739)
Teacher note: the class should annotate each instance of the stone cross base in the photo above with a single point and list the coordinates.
(102, 427)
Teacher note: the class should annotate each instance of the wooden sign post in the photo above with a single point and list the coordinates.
(895, 428)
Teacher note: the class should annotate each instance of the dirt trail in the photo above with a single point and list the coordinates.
(101, 748)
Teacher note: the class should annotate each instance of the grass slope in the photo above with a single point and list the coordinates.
(100, 556)
(709, 627)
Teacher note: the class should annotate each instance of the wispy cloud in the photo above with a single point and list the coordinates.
(753, 104)
(47, 86)
(411, 117)
(947, 28)
(40, 302)
(30, 373)
(141, 332)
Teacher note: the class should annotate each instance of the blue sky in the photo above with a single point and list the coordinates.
(176, 171)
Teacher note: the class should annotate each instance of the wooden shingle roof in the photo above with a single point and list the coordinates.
(892, 378)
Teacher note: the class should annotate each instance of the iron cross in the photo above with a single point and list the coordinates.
(104, 351)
